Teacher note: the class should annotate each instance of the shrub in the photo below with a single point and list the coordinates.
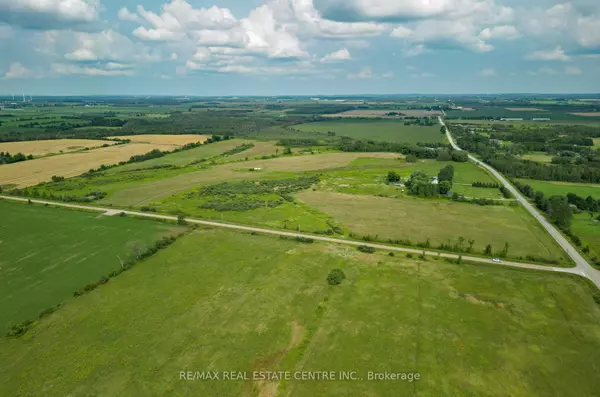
(181, 220)
(16, 330)
(305, 239)
(146, 208)
(409, 255)
(121, 214)
(335, 277)
(365, 248)
(391, 254)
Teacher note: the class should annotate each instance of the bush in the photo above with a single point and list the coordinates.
(181, 220)
(409, 255)
(391, 254)
(305, 240)
(16, 330)
(145, 208)
(365, 248)
(335, 277)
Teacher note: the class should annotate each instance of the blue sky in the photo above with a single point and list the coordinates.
(298, 47)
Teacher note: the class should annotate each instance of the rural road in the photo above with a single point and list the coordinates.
(582, 267)
(114, 211)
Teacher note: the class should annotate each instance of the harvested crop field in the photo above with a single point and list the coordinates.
(525, 109)
(43, 148)
(587, 114)
(176, 140)
(31, 172)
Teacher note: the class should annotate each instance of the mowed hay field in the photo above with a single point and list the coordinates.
(388, 131)
(31, 172)
(170, 140)
(48, 253)
(265, 306)
(439, 221)
(42, 148)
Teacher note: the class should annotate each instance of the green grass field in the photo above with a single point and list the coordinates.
(440, 221)
(388, 131)
(550, 188)
(265, 306)
(368, 176)
(49, 253)
(540, 157)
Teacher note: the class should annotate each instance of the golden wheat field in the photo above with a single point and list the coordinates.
(31, 172)
(177, 140)
(54, 146)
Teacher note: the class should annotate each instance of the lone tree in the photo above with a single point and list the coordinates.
(446, 173)
(335, 276)
(488, 250)
(393, 177)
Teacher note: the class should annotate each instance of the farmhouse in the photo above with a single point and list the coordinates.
(434, 180)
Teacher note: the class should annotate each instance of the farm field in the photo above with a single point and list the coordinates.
(388, 131)
(45, 147)
(368, 176)
(159, 189)
(442, 222)
(169, 140)
(40, 267)
(540, 157)
(588, 229)
(200, 306)
(31, 172)
(550, 188)
(596, 142)
(185, 157)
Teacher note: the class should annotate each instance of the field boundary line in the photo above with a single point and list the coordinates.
(531, 266)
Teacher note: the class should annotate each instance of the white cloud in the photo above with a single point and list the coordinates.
(336, 56)
(107, 45)
(505, 32)
(557, 54)
(572, 70)
(385, 9)
(488, 72)
(387, 75)
(101, 70)
(365, 73)
(44, 14)
(125, 15)
(17, 71)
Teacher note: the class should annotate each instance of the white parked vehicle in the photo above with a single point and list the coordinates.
(496, 260)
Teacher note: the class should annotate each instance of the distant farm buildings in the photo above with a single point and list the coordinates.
(542, 119)
(511, 119)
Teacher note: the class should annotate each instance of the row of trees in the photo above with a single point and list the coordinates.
(7, 158)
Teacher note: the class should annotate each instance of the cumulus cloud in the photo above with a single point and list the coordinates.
(337, 56)
(557, 54)
(125, 15)
(506, 32)
(46, 14)
(17, 71)
(107, 45)
(572, 70)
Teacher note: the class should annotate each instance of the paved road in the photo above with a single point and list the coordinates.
(582, 267)
(113, 211)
